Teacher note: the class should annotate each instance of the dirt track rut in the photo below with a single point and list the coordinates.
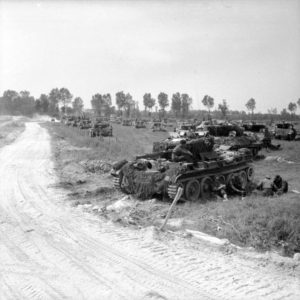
(51, 251)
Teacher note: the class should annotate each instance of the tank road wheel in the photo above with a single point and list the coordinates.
(206, 188)
(192, 190)
(229, 179)
(243, 176)
(250, 173)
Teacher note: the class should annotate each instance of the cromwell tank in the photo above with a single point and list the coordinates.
(101, 129)
(155, 173)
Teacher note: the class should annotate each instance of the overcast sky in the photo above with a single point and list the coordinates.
(230, 50)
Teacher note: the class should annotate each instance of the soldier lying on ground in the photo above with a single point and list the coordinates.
(180, 153)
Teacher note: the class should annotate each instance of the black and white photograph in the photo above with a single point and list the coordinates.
(149, 149)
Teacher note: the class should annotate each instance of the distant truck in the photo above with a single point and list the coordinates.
(285, 131)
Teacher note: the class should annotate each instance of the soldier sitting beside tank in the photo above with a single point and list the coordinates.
(269, 187)
(236, 185)
(180, 153)
(267, 141)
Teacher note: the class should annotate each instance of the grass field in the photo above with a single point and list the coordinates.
(127, 142)
(10, 128)
(261, 222)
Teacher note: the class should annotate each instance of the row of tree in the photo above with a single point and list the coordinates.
(59, 100)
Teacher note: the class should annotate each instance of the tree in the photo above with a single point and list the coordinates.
(24, 104)
(284, 114)
(208, 102)
(44, 103)
(54, 98)
(7, 101)
(148, 101)
(120, 100)
(298, 102)
(163, 101)
(223, 107)
(98, 104)
(272, 111)
(77, 105)
(129, 104)
(251, 104)
(186, 101)
(107, 99)
(38, 106)
(176, 104)
(65, 97)
(292, 108)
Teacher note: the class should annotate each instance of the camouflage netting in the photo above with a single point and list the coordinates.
(198, 146)
(195, 145)
(146, 183)
(237, 141)
(224, 130)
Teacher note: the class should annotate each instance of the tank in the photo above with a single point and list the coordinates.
(155, 174)
(101, 129)
(239, 142)
(127, 122)
(85, 124)
(140, 124)
(225, 143)
(285, 130)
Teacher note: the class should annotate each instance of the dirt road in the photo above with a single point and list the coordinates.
(49, 250)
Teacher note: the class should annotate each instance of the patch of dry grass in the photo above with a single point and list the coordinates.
(127, 142)
(10, 129)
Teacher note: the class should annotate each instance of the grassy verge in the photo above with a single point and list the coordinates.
(127, 142)
(10, 129)
(259, 222)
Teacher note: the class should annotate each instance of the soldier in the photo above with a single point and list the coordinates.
(219, 188)
(270, 188)
(180, 153)
(267, 141)
(236, 185)
(279, 186)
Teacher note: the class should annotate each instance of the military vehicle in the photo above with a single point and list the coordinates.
(156, 173)
(140, 124)
(101, 129)
(184, 128)
(285, 130)
(158, 126)
(239, 142)
(127, 122)
(222, 129)
(223, 143)
(85, 124)
(254, 126)
(69, 121)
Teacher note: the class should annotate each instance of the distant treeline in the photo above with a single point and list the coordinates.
(61, 101)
